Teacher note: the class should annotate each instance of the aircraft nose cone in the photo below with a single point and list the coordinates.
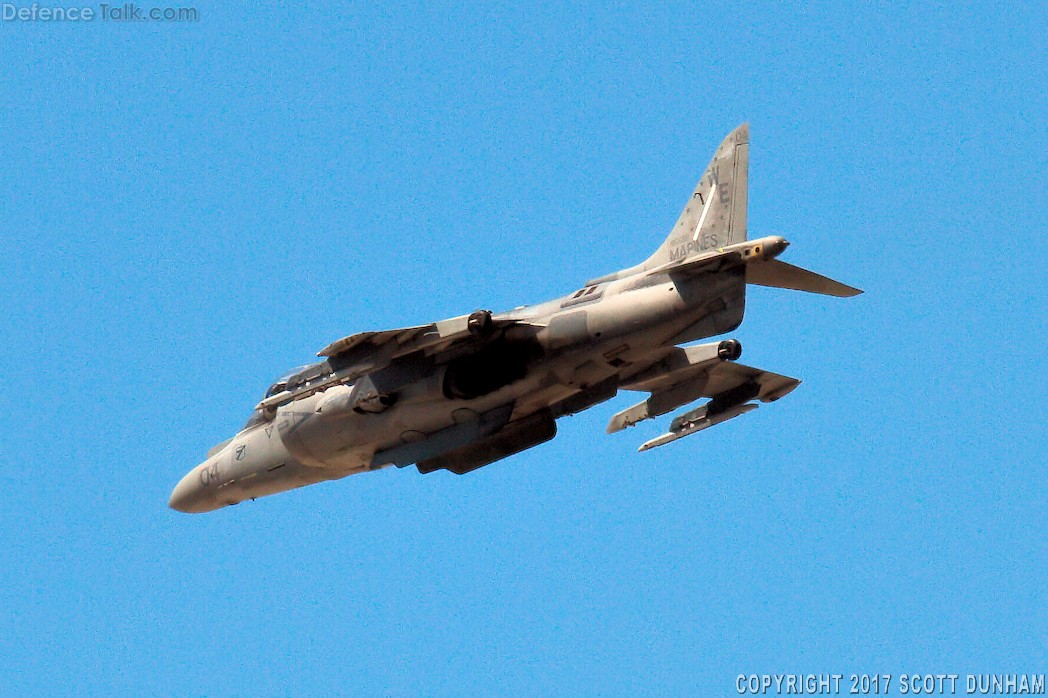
(188, 495)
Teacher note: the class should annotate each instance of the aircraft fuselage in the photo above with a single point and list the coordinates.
(579, 342)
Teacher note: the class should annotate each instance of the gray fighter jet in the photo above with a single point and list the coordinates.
(462, 393)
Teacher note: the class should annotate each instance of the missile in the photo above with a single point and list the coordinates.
(696, 420)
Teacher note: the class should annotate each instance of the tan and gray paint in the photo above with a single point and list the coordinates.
(463, 392)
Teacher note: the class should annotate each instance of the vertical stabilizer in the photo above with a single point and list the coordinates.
(715, 215)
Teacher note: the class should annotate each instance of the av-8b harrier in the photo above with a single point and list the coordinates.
(462, 393)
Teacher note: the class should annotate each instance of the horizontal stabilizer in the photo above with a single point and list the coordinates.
(782, 275)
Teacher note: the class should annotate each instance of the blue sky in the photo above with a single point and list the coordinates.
(190, 209)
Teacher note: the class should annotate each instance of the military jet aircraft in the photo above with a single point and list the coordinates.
(464, 392)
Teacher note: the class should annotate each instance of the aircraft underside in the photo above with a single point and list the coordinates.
(461, 393)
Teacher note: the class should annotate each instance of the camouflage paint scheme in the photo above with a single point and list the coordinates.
(464, 392)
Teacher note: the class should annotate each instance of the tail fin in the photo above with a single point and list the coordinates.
(715, 215)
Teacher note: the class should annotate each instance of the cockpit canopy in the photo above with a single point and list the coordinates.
(278, 386)
(281, 383)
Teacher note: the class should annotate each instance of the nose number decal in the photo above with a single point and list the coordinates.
(209, 474)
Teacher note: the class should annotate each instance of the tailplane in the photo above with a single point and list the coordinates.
(778, 274)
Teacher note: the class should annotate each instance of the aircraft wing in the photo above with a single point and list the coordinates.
(433, 339)
(367, 352)
(731, 387)
(729, 375)
(373, 340)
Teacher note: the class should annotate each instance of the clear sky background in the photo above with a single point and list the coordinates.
(188, 210)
